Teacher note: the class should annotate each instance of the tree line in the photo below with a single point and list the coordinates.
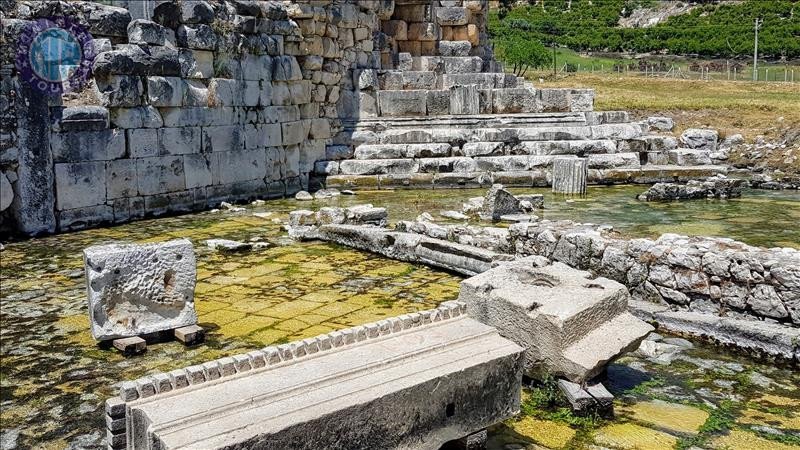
(710, 30)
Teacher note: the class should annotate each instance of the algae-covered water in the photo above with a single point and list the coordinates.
(54, 378)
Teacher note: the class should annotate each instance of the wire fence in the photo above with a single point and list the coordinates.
(736, 72)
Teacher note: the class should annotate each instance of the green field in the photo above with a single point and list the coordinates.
(577, 62)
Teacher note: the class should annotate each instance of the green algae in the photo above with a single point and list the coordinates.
(54, 377)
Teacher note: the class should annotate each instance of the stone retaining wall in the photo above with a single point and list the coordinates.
(715, 276)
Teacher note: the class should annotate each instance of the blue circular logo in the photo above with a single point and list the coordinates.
(55, 55)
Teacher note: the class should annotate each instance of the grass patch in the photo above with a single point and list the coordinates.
(644, 387)
(730, 106)
(545, 402)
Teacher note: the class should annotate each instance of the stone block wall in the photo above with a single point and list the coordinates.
(210, 100)
(436, 28)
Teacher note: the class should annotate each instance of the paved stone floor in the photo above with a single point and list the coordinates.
(55, 378)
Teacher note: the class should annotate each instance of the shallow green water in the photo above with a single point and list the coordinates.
(762, 218)
(54, 378)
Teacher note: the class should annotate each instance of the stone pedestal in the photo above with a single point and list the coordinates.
(569, 175)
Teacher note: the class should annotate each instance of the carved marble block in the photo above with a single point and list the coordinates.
(139, 289)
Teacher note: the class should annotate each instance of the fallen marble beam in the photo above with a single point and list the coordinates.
(570, 324)
(135, 290)
(409, 247)
(417, 381)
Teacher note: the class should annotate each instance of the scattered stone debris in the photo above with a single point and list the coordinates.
(518, 218)
(455, 215)
(326, 193)
(499, 202)
(588, 398)
(714, 187)
(226, 245)
(258, 202)
(263, 215)
(660, 123)
(303, 221)
(230, 207)
(348, 192)
(764, 181)
(303, 196)
(137, 289)
(700, 138)
(530, 202)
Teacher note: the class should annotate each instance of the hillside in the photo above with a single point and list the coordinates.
(707, 29)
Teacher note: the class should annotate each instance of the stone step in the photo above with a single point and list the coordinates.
(475, 149)
(448, 64)
(689, 157)
(418, 135)
(522, 120)
(485, 80)
(429, 80)
(540, 177)
(606, 341)
(475, 99)
(368, 165)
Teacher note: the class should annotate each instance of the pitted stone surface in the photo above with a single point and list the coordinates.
(570, 324)
(140, 289)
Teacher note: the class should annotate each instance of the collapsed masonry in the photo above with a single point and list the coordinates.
(195, 102)
(713, 187)
(414, 381)
(570, 325)
(716, 288)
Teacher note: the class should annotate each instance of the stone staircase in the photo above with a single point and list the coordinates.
(444, 121)
(516, 150)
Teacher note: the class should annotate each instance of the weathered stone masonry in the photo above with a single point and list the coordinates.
(211, 100)
(197, 101)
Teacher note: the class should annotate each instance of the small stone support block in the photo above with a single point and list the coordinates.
(475, 441)
(191, 335)
(130, 346)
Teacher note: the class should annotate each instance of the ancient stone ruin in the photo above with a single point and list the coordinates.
(570, 324)
(197, 102)
(681, 283)
(405, 382)
(136, 290)
(204, 105)
(714, 187)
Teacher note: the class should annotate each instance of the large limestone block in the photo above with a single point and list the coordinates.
(452, 16)
(139, 289)
(570, 324)
(402, 103)
(499, 202)
(416, 381)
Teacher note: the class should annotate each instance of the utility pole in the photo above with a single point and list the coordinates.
(755, 52)
(554, 58)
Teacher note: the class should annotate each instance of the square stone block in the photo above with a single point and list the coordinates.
(140, 289)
